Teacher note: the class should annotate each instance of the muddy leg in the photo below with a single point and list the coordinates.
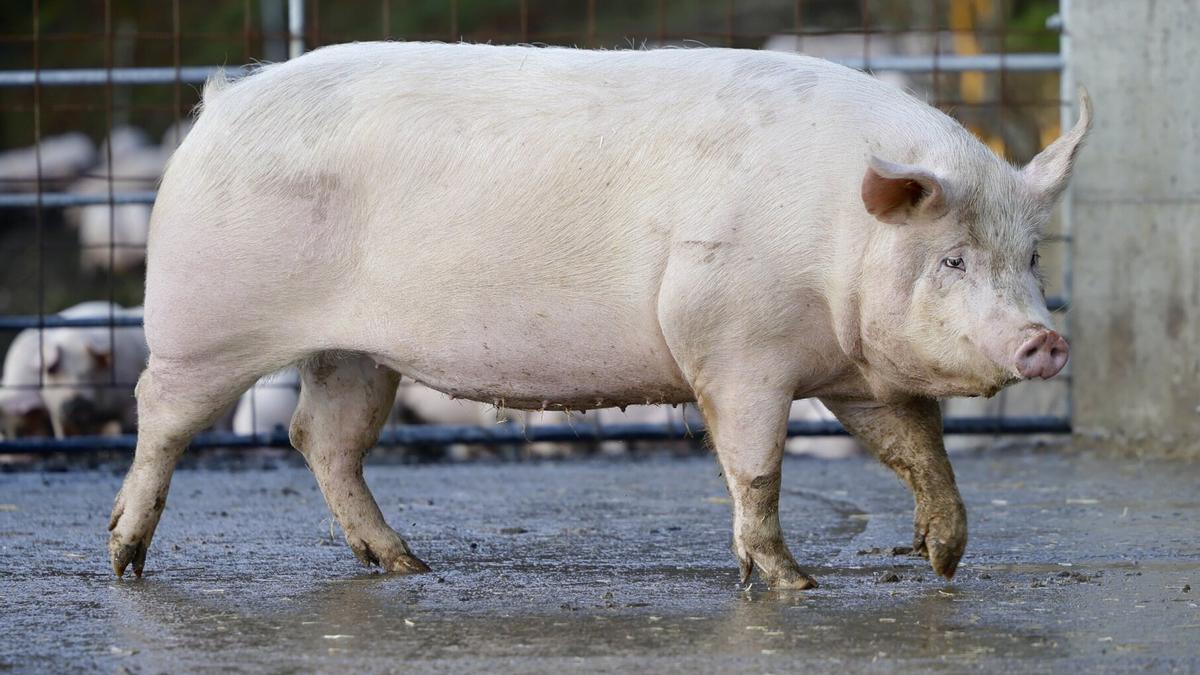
(344, 402)
(908, 439)
(748, 430)
(174, 403)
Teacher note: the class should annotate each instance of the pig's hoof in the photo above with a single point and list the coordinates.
(391, 553)
(123, 554)
(787, 575)
(406, 564)
(125, 548)
(940, 534)
(792, 580)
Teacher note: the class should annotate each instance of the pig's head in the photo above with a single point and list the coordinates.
(76, 369)
(950, 294)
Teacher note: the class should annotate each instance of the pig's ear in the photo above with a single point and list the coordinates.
(902, 193)
(52, 359)
(101, 356)
(1048, 173)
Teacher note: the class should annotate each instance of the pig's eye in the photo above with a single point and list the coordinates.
(1034, 261)
(954, 263)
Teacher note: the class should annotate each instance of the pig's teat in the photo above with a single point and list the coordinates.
(1042, 355)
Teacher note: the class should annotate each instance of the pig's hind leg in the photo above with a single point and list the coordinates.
(344, 401)
(174, 402)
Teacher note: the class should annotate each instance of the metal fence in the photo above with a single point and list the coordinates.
(1003, 81)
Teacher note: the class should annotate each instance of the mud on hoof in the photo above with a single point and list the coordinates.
(786, 576)
(940, 535)
(127, 547)
(122, 555)
(792, 579)
(392, 555)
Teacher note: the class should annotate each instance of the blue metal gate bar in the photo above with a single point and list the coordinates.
(955, 63)
(505, 434)
(74, 77)
(21, 322)
(50, 200)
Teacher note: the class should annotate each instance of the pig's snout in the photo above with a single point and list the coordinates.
(79, 415)
(1042, 355)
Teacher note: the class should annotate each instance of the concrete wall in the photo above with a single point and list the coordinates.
(1135, 323)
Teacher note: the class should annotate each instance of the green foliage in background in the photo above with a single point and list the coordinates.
(1027, 26)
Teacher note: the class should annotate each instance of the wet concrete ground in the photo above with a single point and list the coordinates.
(1076, 564)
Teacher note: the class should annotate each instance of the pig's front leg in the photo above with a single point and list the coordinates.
(749, 428)
(908, 438)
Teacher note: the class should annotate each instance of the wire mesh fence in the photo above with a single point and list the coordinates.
(94, 98)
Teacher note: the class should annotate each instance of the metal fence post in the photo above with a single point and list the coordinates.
(295, 28)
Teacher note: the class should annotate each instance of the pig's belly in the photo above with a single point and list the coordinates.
(533, 384)
(536, 358)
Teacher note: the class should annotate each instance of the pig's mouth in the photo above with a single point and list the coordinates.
(1006, 381)
(988, 387)
(987, 375)
(985, 379)
(1035, 352)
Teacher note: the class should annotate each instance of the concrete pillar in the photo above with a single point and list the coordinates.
(1135, 317)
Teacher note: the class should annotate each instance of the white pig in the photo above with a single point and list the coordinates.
(114, 235)
(122, 140)
(88, 374)
(269, 404)
(578, 229)
(22, 410)
(61, 158)
(825, 447)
